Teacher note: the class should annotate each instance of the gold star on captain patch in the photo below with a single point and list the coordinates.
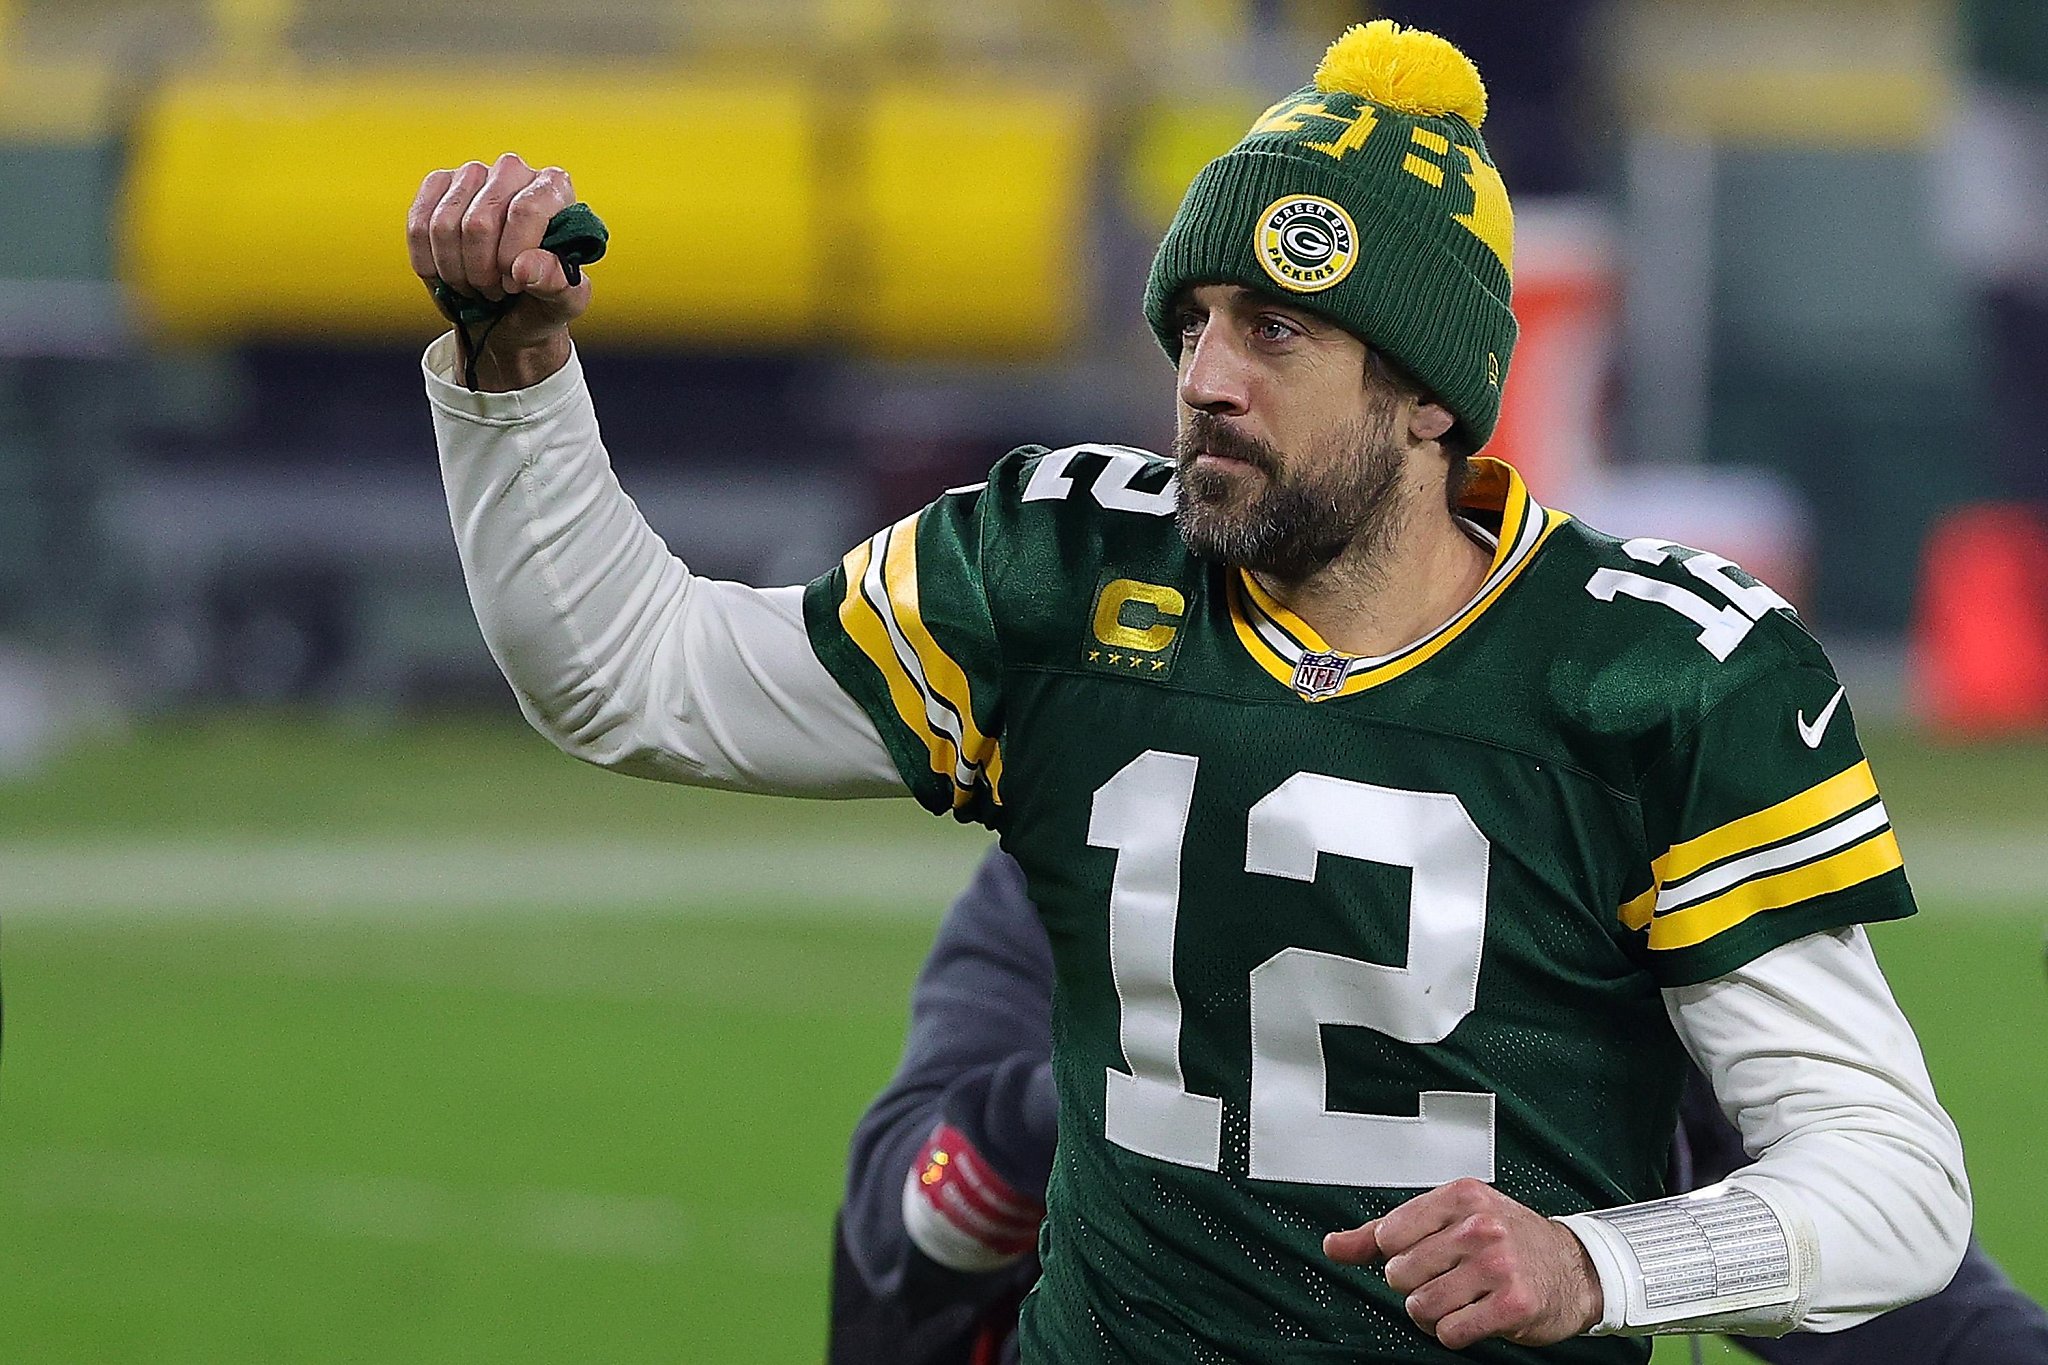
(1094, 655)
(1136, 662)
(1116, 658)
(1157, 664)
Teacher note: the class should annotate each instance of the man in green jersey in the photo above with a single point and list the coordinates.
(1394, 834)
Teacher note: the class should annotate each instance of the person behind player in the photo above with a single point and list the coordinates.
(946, 1173)
(1396, 837)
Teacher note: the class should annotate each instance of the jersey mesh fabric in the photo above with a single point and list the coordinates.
(1595, 744)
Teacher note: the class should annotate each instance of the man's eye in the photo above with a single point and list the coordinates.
(1190, 323)
(1274, 329)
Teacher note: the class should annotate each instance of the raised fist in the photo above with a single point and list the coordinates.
(478, 228)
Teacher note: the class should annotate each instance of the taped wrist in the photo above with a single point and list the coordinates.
(1723, 1258)
(960, 1213)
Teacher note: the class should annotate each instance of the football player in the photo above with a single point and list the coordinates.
(1396, 837)
(946, 1176)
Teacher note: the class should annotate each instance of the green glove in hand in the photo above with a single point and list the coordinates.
(576, 235)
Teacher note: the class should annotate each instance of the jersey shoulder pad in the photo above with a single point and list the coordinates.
(1062, 522)
(1088, 484)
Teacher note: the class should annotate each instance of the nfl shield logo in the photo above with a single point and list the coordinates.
(1319, 675)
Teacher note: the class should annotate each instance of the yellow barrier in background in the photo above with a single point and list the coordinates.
(971, 220)
(276, 207)
(1173, 142)
(746, 213)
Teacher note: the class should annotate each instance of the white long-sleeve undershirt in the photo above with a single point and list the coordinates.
(1811, 1060)
(622, 657)
(615, 650)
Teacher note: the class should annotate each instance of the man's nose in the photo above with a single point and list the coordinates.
(1214, 375)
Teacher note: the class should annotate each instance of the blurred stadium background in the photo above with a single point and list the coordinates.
(348, 1022)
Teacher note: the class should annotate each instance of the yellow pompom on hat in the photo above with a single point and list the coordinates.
(1404, 69)
(1367, 195)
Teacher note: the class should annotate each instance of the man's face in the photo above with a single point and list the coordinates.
(1288, 446)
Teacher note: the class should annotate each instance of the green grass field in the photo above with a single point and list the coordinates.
(422, 1043)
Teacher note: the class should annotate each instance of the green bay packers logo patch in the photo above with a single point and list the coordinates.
(1305, 243)
(1135, 628)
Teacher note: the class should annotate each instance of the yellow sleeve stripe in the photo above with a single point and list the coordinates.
(1637, 913)
(946, 679)
(1695, 924)
(864, 627)
(1816, 805)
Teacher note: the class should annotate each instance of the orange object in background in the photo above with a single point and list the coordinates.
(1980, 630)
(1567, 300)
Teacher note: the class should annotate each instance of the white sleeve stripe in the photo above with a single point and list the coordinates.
(940, 713)
(1835, 837)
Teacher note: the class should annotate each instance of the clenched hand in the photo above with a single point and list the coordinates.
(478, 228)
(1476, 1264)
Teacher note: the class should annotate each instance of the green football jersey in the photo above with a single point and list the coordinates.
(1328, 930)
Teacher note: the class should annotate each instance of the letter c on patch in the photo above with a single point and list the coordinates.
(1145, 625)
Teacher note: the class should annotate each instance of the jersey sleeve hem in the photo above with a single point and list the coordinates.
(1883, 898)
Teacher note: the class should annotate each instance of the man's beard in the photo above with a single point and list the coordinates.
(1290, 526)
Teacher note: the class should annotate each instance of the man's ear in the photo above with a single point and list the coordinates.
(1430, 421)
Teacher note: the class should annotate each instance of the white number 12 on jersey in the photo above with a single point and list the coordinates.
(1142, 813)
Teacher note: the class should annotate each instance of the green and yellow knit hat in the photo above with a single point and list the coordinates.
(1370, 197)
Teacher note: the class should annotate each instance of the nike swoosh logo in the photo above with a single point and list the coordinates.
(1811, 733)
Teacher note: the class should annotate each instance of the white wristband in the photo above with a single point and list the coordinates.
(1722, 1258)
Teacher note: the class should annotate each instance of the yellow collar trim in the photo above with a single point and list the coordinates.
(1289, 649)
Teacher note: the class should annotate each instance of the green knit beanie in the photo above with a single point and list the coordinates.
(1367, 196)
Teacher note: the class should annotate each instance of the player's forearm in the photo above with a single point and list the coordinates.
(885, 1144)
(614, 649)
(1858, 1201)
(1816, 1065)
(958, 1209)
(976, 1079)
(927, 1177)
